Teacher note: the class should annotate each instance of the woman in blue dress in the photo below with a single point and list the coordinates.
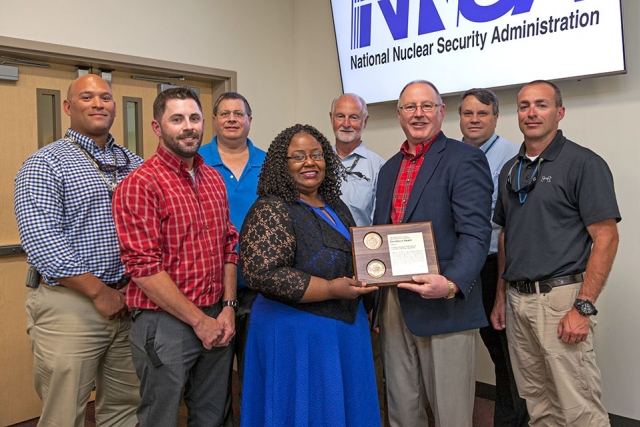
(308, 358)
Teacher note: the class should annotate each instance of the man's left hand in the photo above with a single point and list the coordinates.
(429, 286)
(227, 321)
(573, 327)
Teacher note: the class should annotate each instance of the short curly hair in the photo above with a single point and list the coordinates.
(275, 179)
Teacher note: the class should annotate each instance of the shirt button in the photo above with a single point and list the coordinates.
(207, 227)
(230, 176)
(213, 254)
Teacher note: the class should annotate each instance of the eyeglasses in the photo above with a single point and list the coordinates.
(523, 191)
(316, 156)
(107, 167)
(238, 114)
(412, 108)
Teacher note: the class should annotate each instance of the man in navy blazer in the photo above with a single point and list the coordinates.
(428, 327)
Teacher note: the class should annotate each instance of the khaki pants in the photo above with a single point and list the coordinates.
(560, 382)
(73, 345)
(438, 368)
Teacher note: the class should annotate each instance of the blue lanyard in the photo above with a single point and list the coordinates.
(533, 174)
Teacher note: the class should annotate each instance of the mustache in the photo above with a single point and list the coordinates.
(189, 134)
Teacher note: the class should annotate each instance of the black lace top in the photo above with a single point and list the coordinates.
(282, 245)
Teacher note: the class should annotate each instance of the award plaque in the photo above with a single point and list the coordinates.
(385, 255)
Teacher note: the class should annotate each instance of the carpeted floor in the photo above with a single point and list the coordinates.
(482, 413)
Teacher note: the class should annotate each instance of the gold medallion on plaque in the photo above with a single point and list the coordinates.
(376, 268)
(372, 240)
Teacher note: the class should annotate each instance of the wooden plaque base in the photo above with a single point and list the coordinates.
(371, 255)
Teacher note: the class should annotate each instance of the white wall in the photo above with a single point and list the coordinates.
(601, 114)
(253, 37)
(284, 53)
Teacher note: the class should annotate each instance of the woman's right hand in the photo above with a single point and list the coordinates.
(348, 288)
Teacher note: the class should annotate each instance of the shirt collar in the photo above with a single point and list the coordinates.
(216, 160)
(421, 148)
(359, 151)
(87, 143)
(174, 162)
(489, 143)
(551, 152)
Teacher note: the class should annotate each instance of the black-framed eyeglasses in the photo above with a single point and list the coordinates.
(316, 156)
(107, 167)
(523, 190)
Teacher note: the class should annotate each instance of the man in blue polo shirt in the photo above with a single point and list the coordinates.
(239, 162)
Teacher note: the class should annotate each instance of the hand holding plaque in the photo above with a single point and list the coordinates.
(391, 254)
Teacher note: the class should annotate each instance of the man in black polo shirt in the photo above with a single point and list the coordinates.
(558, 210)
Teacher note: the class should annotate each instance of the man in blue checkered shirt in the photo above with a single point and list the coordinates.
(77, 320)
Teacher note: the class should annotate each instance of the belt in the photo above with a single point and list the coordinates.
(136, 311)
(124, 281)
(545, 286)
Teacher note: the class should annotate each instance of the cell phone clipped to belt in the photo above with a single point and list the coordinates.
(33, 278)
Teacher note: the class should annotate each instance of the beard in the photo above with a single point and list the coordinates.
(347, 137)
(174, 144)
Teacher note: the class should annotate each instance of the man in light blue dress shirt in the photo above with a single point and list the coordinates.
(478, 109)
(349, 116)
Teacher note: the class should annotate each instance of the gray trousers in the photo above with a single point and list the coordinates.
(172, 363)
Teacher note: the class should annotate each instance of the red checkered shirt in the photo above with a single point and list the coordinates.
(164, 222)
(409, 169)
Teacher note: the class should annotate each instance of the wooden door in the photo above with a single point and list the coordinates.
(18, 140)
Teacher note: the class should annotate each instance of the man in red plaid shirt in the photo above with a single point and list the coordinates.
(178, 244)
(427, 328)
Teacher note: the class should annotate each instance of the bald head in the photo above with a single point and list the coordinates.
(91, 107)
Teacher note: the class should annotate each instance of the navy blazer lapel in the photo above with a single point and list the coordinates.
(428, 167)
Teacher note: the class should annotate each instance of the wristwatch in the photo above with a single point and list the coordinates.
(231, 303)
(452, 290)
(585, 307)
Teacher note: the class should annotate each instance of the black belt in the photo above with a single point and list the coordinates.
(545, 286)
(124, 281)
(135, 312)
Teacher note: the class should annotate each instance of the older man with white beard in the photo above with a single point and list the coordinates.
(349, 118)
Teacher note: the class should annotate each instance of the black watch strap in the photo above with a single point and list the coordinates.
(585, 307)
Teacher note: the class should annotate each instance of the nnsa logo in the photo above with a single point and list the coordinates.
(429, 20)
